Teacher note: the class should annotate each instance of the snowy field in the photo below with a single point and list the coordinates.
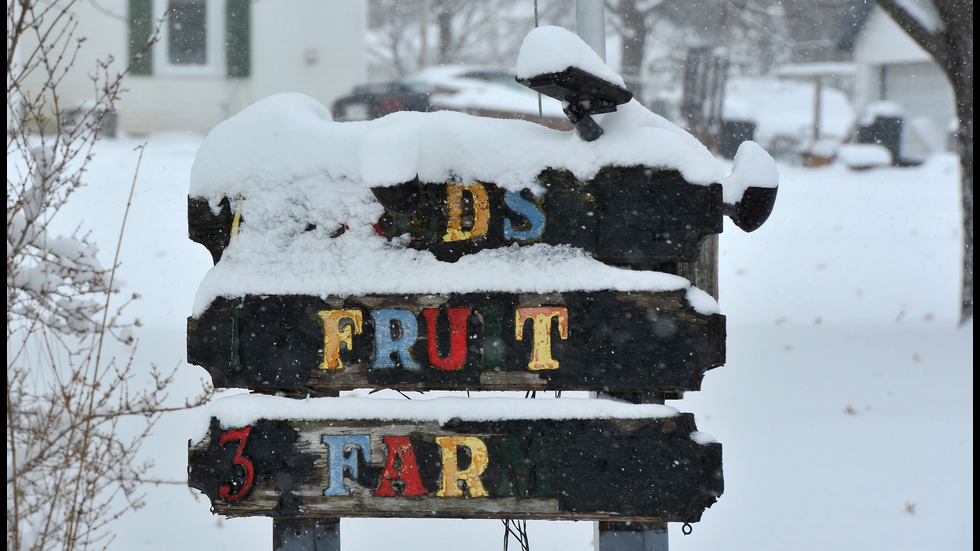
(845, 408)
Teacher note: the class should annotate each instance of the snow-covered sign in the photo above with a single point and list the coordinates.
(657, 468)
(635, 216)
(446, 251)
(636, 341)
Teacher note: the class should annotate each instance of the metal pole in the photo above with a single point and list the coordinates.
(591, 23)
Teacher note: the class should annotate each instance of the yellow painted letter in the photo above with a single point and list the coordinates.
(481, 212)
(333, 335)
(451, 475)
(541, 351)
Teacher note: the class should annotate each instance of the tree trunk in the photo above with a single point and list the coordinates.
(959, 68)
(963, 89)
(951, 46)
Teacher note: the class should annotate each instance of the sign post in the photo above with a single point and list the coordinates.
(611, 309)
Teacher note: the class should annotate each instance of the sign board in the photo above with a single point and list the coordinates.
(571, 469)
(638, 217)
(608, 340)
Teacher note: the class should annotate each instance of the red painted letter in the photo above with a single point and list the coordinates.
(401, 465)
(241, 436)
(457, 338)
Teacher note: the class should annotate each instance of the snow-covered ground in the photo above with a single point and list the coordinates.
(845, 408)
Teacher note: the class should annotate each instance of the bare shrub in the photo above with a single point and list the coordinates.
(70, 466)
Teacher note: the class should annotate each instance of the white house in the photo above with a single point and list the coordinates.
(215, 57)
(891, 67)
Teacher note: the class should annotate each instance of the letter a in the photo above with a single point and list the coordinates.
(401, 465)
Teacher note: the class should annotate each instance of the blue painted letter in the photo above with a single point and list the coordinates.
(386, 344)
(526, 209)
(342, 452)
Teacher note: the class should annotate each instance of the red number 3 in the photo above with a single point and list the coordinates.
(241, 436)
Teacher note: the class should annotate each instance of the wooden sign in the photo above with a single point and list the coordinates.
(635, 469)
(639, 217)
(606, 340)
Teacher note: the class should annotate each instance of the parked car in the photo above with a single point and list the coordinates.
(371, 101)
(477, 90)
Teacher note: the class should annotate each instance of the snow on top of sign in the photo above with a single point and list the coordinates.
(752, 166)
(302, 183)
(244, 409)
(551, 49)
(288, 136)
(702, 438)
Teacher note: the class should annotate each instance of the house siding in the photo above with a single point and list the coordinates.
(891, 66)
(306, 46)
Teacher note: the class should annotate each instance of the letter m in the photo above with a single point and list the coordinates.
(529, 473)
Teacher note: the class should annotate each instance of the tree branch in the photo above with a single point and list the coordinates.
(933, 42)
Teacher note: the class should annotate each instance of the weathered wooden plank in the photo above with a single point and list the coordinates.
(638, 470)
(638, 217)
(605, 340)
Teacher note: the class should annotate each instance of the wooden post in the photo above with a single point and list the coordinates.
(322, 534)
(631, 536)
(636, 536)
(611, 536)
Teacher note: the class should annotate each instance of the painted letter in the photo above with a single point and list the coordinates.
(384, 342)
(333, 335)
(241, 435)
(528, 210)
(343, 453)
(541, 351)
(481, 212)
(401, 465)
(451, 475)
(529, 472)
(457, 338)
(492, 347)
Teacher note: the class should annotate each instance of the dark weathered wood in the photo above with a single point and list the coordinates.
(638, 470)
(638, 217)
(211, 229)
(631, 216)
(568, 341)
(703, 271)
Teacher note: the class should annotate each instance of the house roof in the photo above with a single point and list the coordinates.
(851, 23)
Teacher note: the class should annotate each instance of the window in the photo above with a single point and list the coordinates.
(191, 39)
(187, 33)
(199, 37)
